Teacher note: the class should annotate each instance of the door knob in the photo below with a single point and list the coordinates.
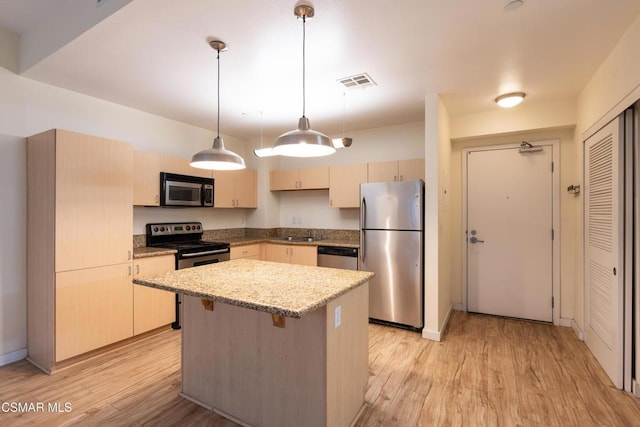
(475, 240)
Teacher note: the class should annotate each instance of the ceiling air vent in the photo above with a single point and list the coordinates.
(359, 80)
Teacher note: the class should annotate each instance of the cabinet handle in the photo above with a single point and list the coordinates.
(157, 198)
(129, 270)
(138, 269)
(129, 255)
(401, 177)
(395, 178)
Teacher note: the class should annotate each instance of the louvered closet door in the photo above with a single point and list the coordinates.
(603, 240)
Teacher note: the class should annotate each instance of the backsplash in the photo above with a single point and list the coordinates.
(140, 240)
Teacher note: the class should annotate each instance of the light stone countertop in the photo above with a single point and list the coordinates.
(241, 241)
(278, 288)
(147, 251)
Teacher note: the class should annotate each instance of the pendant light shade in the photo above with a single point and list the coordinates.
(303, 142)
(218, 157)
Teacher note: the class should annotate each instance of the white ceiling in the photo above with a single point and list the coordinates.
(153, 55)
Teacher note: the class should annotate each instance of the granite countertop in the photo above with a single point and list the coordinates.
(278, 288)
(240, 241)
(146, 251)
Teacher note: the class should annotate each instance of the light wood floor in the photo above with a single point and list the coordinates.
(487, 371)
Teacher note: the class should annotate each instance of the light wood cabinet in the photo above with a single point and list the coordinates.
(247, 251)
(146, 178)
(94, 308)
(299, 179)
(396, 170)
(152, 308)
(181, 166)
(235, 189)
(291, 254)
(79, 245)
(344, 185)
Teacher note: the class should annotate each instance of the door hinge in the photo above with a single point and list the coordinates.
(553, 302)
(553, 234)
(552, 166)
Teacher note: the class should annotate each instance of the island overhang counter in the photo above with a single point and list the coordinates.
(273, 344)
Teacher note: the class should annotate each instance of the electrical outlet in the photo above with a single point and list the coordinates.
(337, 316)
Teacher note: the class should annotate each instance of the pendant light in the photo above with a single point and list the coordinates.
(303, 142)
(217, 157)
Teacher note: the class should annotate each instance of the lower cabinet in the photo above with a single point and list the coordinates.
(152, 308)
(291, 254)
(93, 308)
(247, 251)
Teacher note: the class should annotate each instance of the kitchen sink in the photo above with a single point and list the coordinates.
(299, 239)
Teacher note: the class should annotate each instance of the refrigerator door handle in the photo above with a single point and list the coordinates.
(363, 211)
(363, 251)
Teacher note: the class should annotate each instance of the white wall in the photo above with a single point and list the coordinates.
(13, 268)
(613, 88)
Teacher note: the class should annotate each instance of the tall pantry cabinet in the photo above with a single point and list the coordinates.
(79, 289)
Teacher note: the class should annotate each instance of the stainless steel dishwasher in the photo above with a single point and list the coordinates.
(338, 257)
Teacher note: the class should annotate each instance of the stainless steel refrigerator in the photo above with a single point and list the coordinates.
(391, 246)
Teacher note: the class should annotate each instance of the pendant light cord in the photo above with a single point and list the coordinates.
(218, 58)
(304, 20)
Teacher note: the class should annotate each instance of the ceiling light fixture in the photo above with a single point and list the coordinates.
(344, 141)
(218, 157)
(509, 100)
(513, 4)
(303, 142)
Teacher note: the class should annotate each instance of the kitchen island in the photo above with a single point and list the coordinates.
(273, 344)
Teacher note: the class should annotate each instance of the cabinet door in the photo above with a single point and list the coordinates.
(313, 178)
(411, 170)
(182, 166)
(146, 178)
(305, 255)
(224, 189)
(246, 186)
(277, 253)
(93, 217)
(283, 180)
(152, 308)
(344, 185)
(383, 171)
(245, 251)
(94, 308)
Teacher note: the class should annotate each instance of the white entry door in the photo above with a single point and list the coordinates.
(603, 273)
(509, 240)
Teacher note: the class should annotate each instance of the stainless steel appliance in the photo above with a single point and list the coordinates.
(185, 190)
(392, 246)
(192, 251)
(338, 257)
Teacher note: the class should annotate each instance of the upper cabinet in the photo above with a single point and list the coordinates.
(344, 189)
(181, 166)
(92, 197)
(146, 178)
(396, 170)
(235, 189)
(299, 179)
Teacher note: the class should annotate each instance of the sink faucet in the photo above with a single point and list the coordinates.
(309, 233)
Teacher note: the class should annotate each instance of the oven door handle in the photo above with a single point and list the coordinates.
(191, 255)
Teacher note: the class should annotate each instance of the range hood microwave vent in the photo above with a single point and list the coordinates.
(357, 81)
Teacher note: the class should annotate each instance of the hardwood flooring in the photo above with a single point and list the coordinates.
(487, 371)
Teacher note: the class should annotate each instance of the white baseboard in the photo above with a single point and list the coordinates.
(457, 306)
(577, 330)
(437, 335)
(13, 356)
(567, 323)
(636, 388)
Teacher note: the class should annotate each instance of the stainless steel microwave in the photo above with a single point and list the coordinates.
(185, 190)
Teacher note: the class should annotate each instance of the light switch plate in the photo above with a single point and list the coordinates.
(337, 316)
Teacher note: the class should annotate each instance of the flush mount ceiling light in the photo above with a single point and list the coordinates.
(513, 4)
(509, 100)
(303, 142)
(217, 157)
